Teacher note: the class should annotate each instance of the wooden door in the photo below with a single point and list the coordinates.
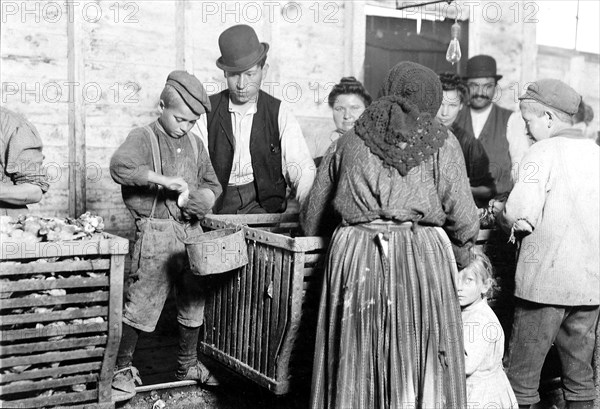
(391, 40)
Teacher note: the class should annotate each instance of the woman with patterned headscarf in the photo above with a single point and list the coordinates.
(389, 333)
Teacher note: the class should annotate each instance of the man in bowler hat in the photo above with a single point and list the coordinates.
(168, 184)
(255, 143)
(500, 131)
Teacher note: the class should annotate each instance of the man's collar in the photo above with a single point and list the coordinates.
(248, 108)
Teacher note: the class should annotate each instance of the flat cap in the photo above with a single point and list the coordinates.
(555, 94)
(191, 90)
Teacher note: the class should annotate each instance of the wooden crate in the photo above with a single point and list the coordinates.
(60, 321)
(261, 318)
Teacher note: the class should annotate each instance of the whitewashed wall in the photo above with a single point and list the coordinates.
(87, 72)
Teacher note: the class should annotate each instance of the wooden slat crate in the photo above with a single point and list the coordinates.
(60, 321)
(261, 318)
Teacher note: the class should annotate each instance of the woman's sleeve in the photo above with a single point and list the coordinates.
(317, 212)
(462, 222)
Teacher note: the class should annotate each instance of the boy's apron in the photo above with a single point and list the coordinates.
(159, 263)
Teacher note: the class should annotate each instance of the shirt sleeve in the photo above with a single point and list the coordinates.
(518, 141)
(131, 162)
(526, 200)
(207, 178)
(462, 222)
(200, 129)
(298, 166)
(24, 158)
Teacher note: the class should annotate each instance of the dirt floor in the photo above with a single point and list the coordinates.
(228, 396)
(236, 396)
(155, 358)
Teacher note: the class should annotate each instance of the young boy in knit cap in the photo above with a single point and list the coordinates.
(168, 185)
(554, 209)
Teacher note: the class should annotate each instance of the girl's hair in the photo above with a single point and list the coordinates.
(481, 265)
(451, 82)
(349, 85)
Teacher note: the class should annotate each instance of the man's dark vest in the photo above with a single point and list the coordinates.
(493, 139)
(265, 149)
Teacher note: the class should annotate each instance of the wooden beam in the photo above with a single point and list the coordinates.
(184, 37)
(355, 26)
(76, 78)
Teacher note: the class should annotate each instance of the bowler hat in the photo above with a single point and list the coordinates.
(481, 66)
(191, 91)
(240, 49)
(554, 94)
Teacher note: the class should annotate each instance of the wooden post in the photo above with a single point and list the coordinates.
(76, 78)
(184, 46)
(355, 26)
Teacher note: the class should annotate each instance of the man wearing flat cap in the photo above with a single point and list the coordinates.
(554, 211)
(500, 131)
(255, 143)
(168, 184)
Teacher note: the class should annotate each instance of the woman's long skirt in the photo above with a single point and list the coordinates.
(389, 331)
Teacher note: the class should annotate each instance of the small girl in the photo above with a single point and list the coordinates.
(487, 384)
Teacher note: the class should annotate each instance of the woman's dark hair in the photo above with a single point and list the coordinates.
(451, 81)
(349, 85)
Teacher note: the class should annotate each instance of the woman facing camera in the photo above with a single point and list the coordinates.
(348, 100)
(476, 160)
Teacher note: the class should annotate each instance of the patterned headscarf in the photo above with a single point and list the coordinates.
(400, 126)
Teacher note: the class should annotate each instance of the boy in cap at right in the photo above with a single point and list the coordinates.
(554, 211)
(169, 185)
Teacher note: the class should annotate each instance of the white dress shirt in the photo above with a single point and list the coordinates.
(298, 167)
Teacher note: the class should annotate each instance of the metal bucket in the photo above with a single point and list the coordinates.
(217, 251)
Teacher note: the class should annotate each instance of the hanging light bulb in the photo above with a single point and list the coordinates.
(453, 54)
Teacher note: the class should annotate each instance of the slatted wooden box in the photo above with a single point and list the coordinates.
(60, 321)
(261, 318)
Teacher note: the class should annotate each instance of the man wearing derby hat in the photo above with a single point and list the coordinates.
(500, 131)
(255, 143)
